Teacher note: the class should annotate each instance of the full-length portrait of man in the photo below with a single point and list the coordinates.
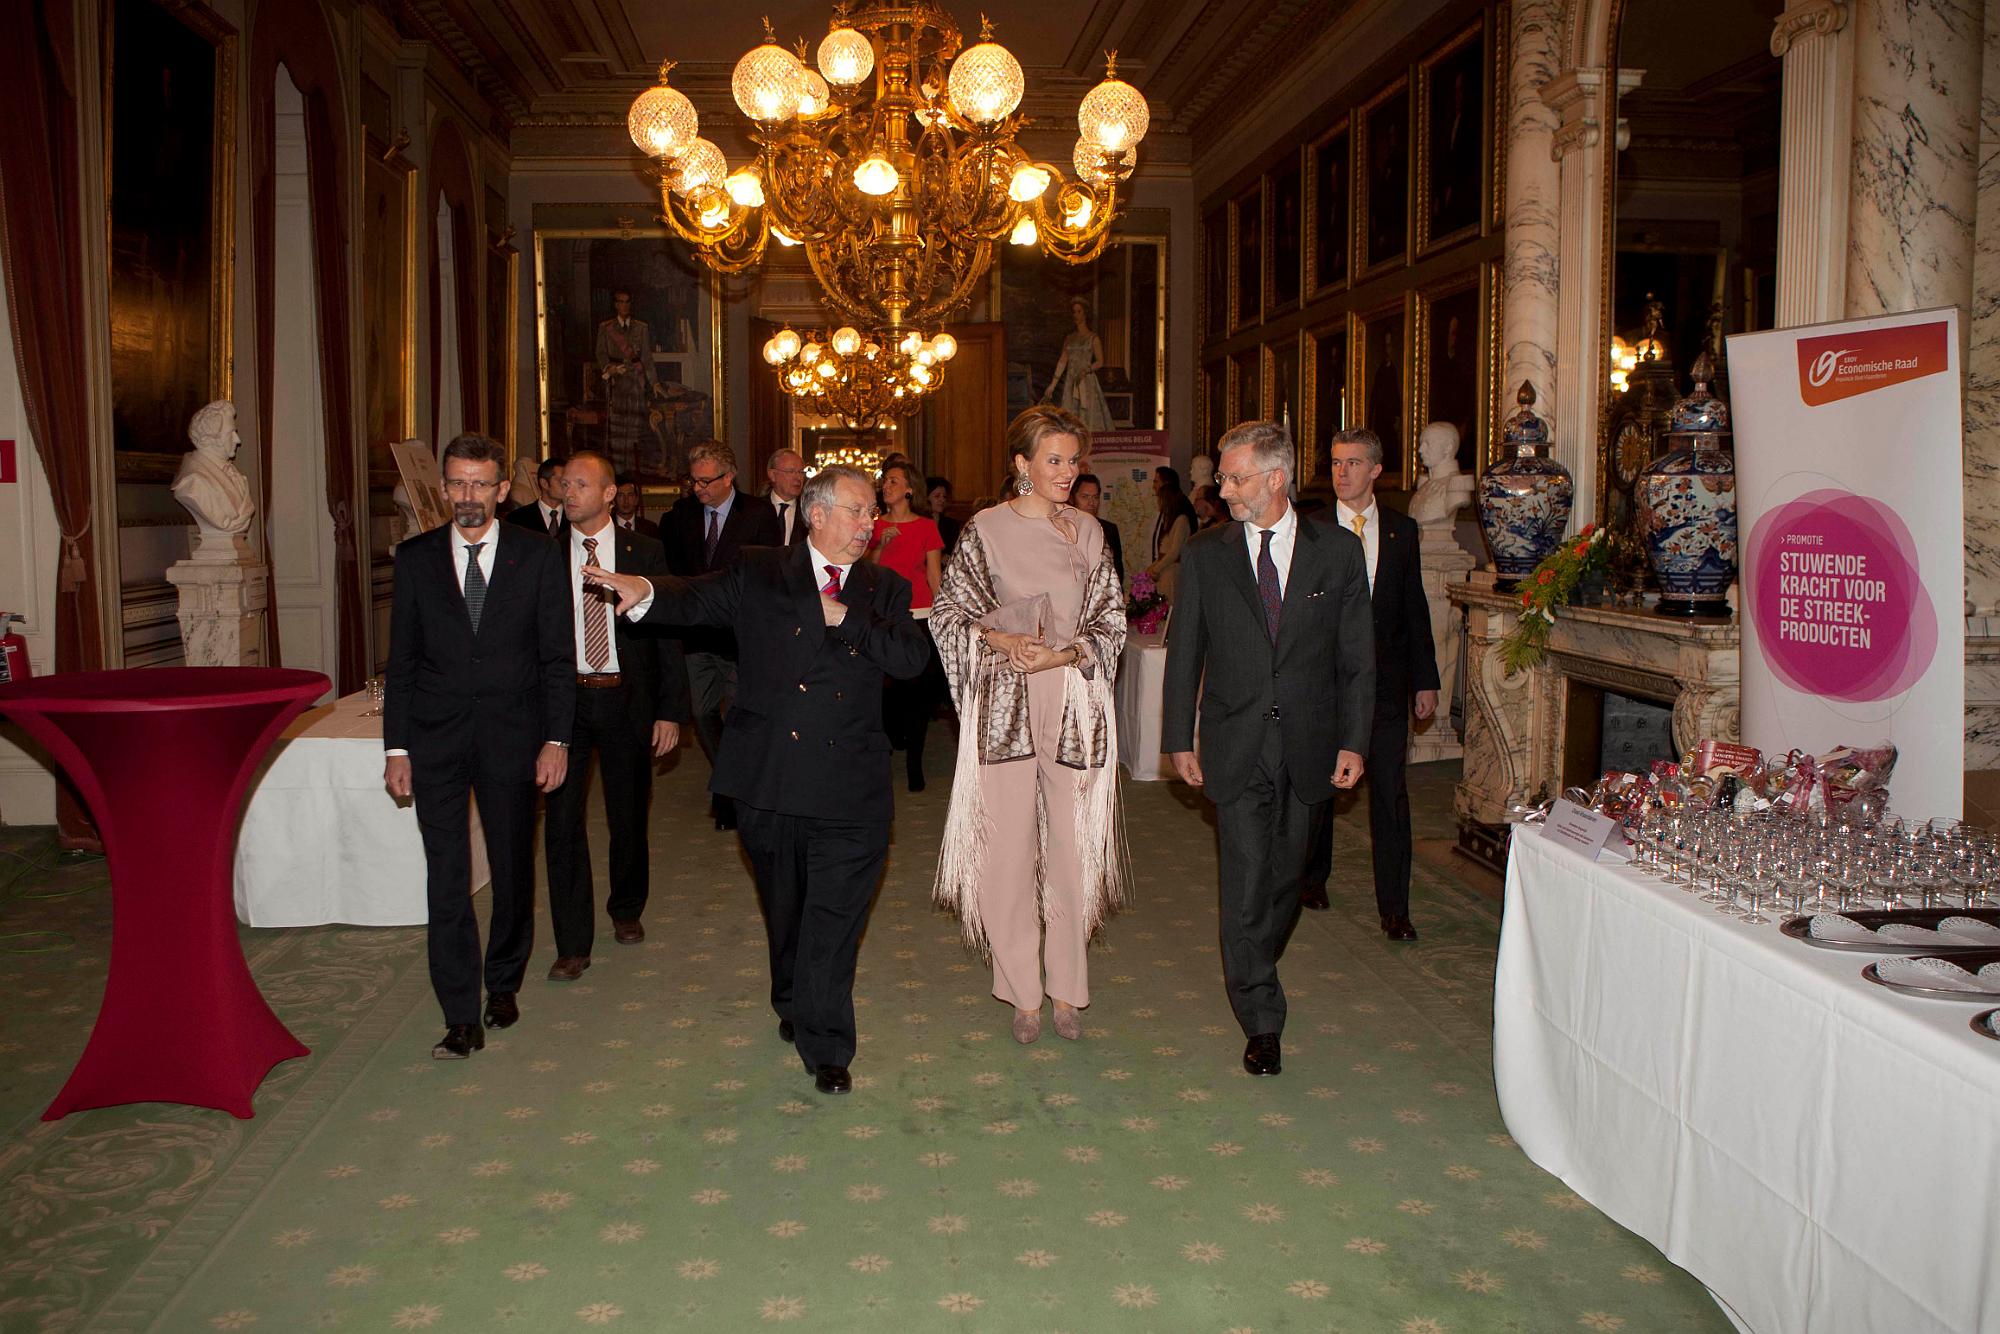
(625, 364)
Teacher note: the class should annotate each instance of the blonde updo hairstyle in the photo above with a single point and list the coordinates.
(1027, 431)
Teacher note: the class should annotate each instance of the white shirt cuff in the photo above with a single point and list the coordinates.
(639, 610)
(392, 754)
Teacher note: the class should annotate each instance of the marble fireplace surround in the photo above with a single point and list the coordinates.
(1515, 724)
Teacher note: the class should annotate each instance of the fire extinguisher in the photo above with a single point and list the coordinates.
(13, 651)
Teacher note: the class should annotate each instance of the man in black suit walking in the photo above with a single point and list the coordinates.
(478, 702)
(787, 471)
(1088, 496)
(544, 512)
(630, 702)
(1271, 631)
(1406, 679)
(630, 511)
(704, 532)
(803, 754)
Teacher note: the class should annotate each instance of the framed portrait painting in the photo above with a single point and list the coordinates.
(1246, 387)
(1281, 383)
(169, 89)
(1326, 400)
(1381, 362)
(1328, 217)
(1382, 179)
(1246, 233)
(1285, 235)
(388, 303)
(641, 389)
(1452, 159)
(1451, 346)
(1215, 273)
(1058, 317)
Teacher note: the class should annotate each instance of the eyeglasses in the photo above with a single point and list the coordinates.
(869, 515)
(468, 486)
(707, 481)
(1239, 478)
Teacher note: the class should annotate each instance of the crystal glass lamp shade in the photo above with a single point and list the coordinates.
(662, 122)
(746, 187)
(876, 176)
(945, 346)
(986, 83)
(816, 97)
(846, 58)
(1088, 159)
(1113, 116)
(701, 167)
(768, 83)
(1027, 183)
(846, 341)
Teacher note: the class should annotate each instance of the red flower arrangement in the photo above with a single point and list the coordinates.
(1554, 584)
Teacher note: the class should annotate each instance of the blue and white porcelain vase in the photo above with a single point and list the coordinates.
(1525, 499)
(1687, 505)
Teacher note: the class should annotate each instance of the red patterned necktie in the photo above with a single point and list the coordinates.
(596, 626)
(832, 588)
(1268, 591)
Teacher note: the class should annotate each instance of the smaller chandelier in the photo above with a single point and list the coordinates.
(862, 380)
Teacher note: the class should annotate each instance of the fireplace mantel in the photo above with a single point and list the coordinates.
(1515, 725)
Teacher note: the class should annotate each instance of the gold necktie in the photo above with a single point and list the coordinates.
(1360, 522)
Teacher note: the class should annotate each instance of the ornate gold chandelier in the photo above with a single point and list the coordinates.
(861, 381)
(900, 192)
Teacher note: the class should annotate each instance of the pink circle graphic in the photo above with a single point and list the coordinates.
(1838, 599)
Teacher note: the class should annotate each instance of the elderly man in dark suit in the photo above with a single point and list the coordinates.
(1406, 679)
(707, 530)
(479, 698)
(631, 700)
(1271, 631)
(803, 754)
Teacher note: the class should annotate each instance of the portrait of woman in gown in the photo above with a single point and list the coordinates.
(1074, 385)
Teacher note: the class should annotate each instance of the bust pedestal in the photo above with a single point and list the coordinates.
(1443, 562)
(221, 611)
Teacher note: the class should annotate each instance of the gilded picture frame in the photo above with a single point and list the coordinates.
(1212, 410)
(1284, 235)
(1215, 312)
(388, 303)
(1382, 181)
(1329, 239)
(1454, 375)
(169, 96)
(503, 356)
(1246, 386)
(1246, 258)
(1379, 369)
(582, 252)
(1453, 128)
(1279, 360)
(1325, 365)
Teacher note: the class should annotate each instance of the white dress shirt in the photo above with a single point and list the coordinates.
(607, 559)
(551, 515)
(1371, 531)
(1284, 537)
(788, 514)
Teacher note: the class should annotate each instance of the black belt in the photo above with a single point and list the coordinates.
(599, 680)
(1272, 713)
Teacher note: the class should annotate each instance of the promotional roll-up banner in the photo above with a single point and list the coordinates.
(1850, 510)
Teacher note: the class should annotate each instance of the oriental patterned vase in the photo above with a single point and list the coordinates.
(1524, 500)
(1686, 502)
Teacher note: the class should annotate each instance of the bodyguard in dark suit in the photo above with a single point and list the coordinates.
(803, 754)
(630, 512)
(1271, 630)
(1088, 496)
(478, 702)
(631, 699)
(542, 513)
(1406, 679)
(705, 532)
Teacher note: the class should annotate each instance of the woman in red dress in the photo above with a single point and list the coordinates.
(908, 542)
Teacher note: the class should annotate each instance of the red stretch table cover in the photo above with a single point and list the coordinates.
(163, 756)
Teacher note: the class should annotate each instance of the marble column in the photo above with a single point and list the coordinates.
(1533, 185)
(1916, 139)
(1982, 363)
(1815, 40)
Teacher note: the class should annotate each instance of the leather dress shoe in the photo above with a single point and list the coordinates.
(833, 1079)
(785, 1030)
(724, 812)
(1399, 927)
(1260, 1055)
(459, 1042)
(568, 968)
(629, 933)
(1314, 897)
(503, 1010)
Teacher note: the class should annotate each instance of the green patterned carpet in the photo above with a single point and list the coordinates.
(643, 1153)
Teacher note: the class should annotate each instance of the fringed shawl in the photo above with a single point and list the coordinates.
(992, 701)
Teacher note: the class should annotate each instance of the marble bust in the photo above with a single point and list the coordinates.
(1445, 490)
(212, 489)
(1201, 472)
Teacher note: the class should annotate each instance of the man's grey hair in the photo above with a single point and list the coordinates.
(1270, 446)
(1370, 442)
(712, 451)
(777, 454)
(822, 486)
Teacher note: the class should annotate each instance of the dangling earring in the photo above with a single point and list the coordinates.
(1024, 486)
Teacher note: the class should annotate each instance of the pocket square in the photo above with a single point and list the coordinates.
(1316, 593)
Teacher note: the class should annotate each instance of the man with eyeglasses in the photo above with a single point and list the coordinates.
(1271, 632)
(478, 704)
(788, 480)
(705, 532)
(803, 755)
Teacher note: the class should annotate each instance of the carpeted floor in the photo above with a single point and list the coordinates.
(641, 1152)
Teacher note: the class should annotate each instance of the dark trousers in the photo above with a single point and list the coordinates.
(504, 785)
(1386, 774)
(1265, 837)
(609, 726)
(816, 882)
(906, 712)
(712, 688)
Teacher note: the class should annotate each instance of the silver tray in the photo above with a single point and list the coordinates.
(1795, 927)
(1970, 960)
(1983, 1024)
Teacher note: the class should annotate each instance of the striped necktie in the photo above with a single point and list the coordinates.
(475, 584)
(596, 627)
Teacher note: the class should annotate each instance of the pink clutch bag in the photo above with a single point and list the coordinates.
(1024, 616)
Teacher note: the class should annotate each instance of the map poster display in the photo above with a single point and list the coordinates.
(1850, 492)
(1123, 462)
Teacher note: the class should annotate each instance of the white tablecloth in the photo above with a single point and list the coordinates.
(1142, 678)
(323, 841)
(1819, 1151)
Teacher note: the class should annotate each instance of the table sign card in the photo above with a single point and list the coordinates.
(1579, 827)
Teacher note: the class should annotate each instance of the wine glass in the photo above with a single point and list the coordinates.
(374, 686)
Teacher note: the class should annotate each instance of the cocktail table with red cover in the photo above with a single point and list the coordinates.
(163, 756)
